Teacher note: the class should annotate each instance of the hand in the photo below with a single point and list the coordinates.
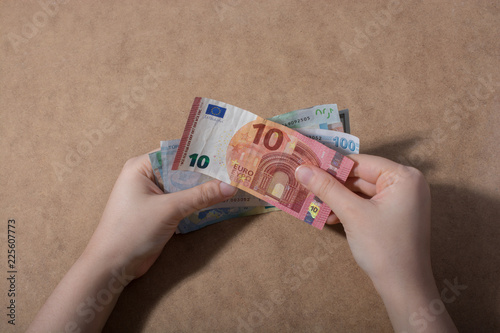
(139, 218)
(388, 224)
(385, 210)
(137, 222)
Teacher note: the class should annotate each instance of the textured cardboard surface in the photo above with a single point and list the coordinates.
(421, 85)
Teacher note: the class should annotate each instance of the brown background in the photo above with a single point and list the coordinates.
(422, 87)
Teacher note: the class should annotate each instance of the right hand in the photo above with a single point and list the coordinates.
(387, 224)
(387, 220)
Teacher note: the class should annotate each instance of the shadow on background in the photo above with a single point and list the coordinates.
(465, 245)
(182, 256)
(465, 248)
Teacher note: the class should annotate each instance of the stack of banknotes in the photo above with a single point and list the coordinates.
(256, 155)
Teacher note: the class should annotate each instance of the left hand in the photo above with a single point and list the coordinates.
(139, 218)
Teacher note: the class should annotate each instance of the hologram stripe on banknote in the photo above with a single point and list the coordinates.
(258, 156)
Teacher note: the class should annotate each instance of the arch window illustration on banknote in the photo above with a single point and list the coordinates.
(272, 174)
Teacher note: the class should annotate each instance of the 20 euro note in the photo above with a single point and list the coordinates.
(241, 204)
(258, 156)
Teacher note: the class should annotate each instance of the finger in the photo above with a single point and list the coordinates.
(361, 186)
(332, 219)
(182, 203)
(369, 167)
(340, 199)
(139, 163)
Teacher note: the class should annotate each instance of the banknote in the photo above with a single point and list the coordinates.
(325, 116)
(344, 118)
(258, 156)
(223, 211)
(344, 143)
(156, 164)
(242, 204)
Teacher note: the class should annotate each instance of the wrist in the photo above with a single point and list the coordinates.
(111, 269)
(414, 304)
(405, 283)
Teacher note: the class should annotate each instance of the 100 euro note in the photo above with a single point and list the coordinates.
(258, 156)
(344, 143)
(241, 204)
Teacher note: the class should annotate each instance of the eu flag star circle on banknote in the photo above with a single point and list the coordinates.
(215, 110)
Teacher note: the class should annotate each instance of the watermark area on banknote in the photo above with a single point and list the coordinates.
(291, 280)
(121, 107)
(373, 28)
(32, 26)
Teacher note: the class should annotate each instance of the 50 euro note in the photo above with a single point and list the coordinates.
(241, 204)
(325, 116)
(258, 156)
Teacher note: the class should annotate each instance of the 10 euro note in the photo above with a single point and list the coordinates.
(258, 156)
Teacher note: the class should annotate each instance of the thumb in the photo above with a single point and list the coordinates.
(185, 202)
(340, 199)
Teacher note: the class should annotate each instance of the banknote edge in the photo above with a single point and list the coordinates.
(190, 126)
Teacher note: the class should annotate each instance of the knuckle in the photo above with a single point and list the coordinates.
(325, 185)
(416, 175)
(415, 172)
(417, 178)
(129, 163)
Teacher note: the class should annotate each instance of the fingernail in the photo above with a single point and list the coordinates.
(303, 174)
(227, 190)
